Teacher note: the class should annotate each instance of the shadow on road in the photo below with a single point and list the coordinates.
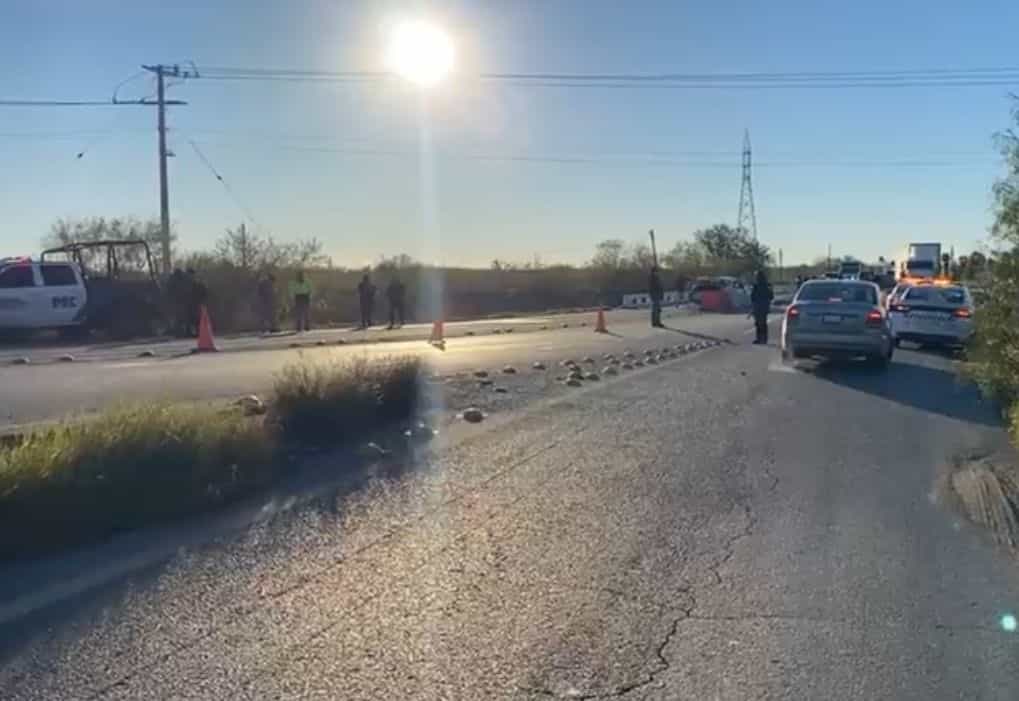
(694, 334)
(924, 387)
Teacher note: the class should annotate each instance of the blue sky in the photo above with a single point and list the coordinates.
(344, 162)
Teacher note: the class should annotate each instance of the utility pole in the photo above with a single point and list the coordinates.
(162, 72)
(828, 270)
(747, 215)
(780, 276)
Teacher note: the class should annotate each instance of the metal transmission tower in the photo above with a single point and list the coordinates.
(747, 215)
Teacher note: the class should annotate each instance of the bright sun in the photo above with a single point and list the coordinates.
(420, 52)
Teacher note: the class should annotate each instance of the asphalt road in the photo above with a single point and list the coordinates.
(38, 392)
(716, 527)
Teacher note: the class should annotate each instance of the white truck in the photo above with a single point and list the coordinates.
(922, 261)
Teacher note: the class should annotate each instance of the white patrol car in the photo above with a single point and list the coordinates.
(36, 295)
(936, 313)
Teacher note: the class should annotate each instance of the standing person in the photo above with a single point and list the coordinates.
(366, 299)
(655, 292)
(198, 297)
(300, 294)
(179, 297)
(396, 293)
(760, 301)
(267, 302)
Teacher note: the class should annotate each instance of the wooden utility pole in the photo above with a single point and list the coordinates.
(162, 72)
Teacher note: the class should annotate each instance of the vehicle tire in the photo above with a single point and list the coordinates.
(880, 361)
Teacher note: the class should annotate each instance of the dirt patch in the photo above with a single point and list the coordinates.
(986, 490)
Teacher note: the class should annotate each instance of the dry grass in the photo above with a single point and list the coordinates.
(333, 403)
(133, 465)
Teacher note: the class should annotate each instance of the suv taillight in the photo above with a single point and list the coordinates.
(792, 313)
(874, 318)
(962, 313)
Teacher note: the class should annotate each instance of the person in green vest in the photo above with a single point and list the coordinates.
(300, 294)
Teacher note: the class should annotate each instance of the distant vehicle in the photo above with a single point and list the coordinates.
(850, 269)
(733, 289)
(122, 297)
(39, 295)
(933, 315)
(922, 261)
(837, 318)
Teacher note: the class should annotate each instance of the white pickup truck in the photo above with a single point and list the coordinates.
(40, 295)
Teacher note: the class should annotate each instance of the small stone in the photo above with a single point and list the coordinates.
(473, 415)
(610, 370)
(66, 358)
(588, 359)
(566, 326)
(537, 365)
(544, 327)
(497, 331)
(638, 363)
(651, 360)
(421, 432)
(568, 363)
(501, 390)
(469, 333)
(320, 342)
(340, 342)
(614, 361)
(481, 373)
(147, 354)
(295, 345)
(627, 366)
(576, 375)
(573, 382)
(593, 376)
(251, 405)
(509, 370)
(583, 323)
(485, 382)
(509, 330)
(20, 361)
(648, 353)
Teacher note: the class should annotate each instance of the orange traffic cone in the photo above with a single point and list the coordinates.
(599, 325)
(206, 343)
(437, 332)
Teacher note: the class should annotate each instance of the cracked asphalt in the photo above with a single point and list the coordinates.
(719, 526)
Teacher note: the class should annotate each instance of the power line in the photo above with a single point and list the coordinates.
(226, 186)
(929, 77)
(622, 161)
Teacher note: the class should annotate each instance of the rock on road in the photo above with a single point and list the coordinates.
(717, 527)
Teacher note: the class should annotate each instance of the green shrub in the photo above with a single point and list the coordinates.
(133, 465)
(994, 354)
(333, 403)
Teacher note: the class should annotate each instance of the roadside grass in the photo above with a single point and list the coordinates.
(322, 404)
(134, 465)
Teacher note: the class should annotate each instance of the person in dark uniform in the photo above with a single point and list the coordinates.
(396, 292)
(366, 299)
(760, 301)
(656, 293)
(267, 302)
(179, 296)
(198, 298)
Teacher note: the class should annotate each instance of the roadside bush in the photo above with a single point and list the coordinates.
(994, 354)
(133, 465)
(333, 403)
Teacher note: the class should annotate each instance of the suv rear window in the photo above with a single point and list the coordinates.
(826, 291)
(17, 276)
(56, 275)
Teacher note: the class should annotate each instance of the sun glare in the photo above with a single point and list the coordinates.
(421, 52)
